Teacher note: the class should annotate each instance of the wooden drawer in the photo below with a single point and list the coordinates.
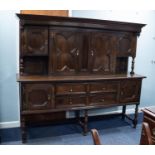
(70, 88)
(104, 87)
(70, 101)
(103, 99)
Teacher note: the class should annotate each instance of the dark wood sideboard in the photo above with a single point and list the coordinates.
(76, 64)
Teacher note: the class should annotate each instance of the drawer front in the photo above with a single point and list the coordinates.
(103, 99)
(70, 88)
(70, 101)
(104, 87)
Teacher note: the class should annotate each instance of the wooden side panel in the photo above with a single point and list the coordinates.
(130, 91)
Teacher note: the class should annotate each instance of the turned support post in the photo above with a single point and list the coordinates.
(132, 66)
(85, 122)
(123, 112)
(23, 131)
(135, 117)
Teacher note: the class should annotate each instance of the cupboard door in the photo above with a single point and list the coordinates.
(34, 41)
(126, 45)
(66, 47)
(130, 91)
(101, 56)
(37, 97)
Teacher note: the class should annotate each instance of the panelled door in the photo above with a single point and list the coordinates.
(37, 96)
(34, 41)
(66, 49)
(101, 56)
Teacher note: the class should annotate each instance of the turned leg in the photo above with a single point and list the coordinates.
(85, 122)
(123, 112)
(135, 117)
(23, 131)
(77, 115)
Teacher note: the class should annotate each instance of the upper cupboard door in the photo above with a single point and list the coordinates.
(126, 44)
(34, 41)
(102, 55)
(66, 49)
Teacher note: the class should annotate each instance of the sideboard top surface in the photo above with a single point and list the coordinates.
(37, 78)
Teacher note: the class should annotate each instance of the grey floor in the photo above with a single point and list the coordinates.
(113, 131)
(113, 136)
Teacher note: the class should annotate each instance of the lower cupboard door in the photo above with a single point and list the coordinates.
(37, 97)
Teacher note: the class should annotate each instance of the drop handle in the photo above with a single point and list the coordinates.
(77, 53)
(92, 53)
(122, 93)
(46, 42)
(71, 90)
(70, 101)
(102, 100)
(49, 97)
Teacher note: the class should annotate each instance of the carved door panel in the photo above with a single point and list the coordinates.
(101, 57)
(130, 91)
(34, 41)
(37, 96)
(66, 47)
(126, 45)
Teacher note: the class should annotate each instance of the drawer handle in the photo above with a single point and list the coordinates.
(122, 93)
(71, 90)
(102, 100)
(92, 53)
(49, 97)
(103, 88)
(70, 101)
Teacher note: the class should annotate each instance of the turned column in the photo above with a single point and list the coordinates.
(132, 66)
